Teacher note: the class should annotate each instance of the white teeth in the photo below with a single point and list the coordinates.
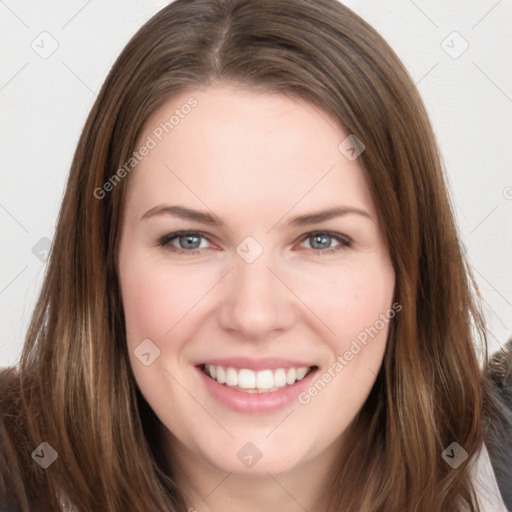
(246, 379)
(221, 375)
(256, 382)
(264, 380)
(301, 373)
(231, 377)
(291, 376)
(280, 377)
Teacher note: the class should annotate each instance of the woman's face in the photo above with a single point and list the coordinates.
(261, 287)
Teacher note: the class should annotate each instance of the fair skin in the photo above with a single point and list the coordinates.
(255, 161)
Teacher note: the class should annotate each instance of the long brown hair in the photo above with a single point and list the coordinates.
(76, 388)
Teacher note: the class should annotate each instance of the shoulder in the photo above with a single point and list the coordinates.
(499, 418)
(24, 485)
(15, 446)
(8, 449)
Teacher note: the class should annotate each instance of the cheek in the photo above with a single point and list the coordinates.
(349, 299)
(358, 307)
(155, 297)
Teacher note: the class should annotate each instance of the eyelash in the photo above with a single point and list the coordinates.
(165, 242)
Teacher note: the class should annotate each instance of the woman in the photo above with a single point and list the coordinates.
(314, 350)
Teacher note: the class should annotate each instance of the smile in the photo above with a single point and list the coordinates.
(250, 381)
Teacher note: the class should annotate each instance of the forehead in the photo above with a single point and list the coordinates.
(248, 149)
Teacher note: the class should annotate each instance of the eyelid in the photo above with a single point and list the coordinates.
(165, 240)
(342, 238)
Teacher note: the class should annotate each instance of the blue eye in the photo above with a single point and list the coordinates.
(321, 242)
(189, 242)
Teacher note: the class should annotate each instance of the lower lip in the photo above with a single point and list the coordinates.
(256, 402)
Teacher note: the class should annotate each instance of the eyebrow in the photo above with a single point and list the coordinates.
(184, 213)
(211, 219)
(316, 217)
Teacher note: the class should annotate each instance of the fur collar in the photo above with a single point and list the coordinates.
(499, 419)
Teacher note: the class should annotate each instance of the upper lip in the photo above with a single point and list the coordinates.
(267, 363)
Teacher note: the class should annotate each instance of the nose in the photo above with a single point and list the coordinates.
(257, 303)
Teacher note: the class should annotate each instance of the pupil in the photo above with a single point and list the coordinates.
(323, 239)
(190, 241)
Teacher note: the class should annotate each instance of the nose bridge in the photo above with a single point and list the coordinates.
(254, 280)
(256, 302)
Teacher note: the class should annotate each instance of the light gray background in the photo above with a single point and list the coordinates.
(44, 103)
